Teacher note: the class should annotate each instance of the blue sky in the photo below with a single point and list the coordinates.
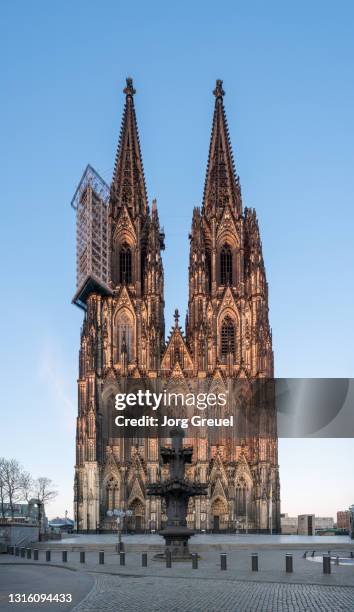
(287, 71)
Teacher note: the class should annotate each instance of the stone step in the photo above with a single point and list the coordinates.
(133, 547)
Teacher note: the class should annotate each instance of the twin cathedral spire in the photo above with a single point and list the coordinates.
(227, 321)
(227, 324)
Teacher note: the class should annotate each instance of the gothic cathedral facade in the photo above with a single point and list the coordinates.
(227, 338)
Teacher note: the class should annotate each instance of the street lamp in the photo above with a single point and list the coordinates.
(119, 516)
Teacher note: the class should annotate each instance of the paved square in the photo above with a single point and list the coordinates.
(112, 593)
(112, 587)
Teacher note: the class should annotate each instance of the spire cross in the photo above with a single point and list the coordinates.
(129, 89)
(176, 315)
(218, 91)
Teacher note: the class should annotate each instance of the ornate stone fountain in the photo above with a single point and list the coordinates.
(176, 491)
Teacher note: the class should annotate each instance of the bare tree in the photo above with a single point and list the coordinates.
(2, 486)
(12, 479)
(27, 485)
(18, 485)
(43, 491)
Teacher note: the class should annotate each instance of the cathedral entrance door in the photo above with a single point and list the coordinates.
(218, 510)
(137, 520)
(138, 523)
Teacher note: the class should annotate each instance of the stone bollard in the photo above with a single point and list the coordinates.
(101, 557)
(29, 553)
(17, 551)
(144, 559)
(168, 558)
(64, 556)
(82, 556)
(120, 547)
(47, 555)
(326, 564)
(223, 561)
(289, 563)
(23, 552)
(194, 560)
(35, 554)
(254, 562)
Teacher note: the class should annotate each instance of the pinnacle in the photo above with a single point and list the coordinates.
(176, 317)
(218, 91)
(222, 183)
(128, 185)
(129, 89)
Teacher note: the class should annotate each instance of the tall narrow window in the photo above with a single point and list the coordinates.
(124, 335)
(226, 265)
(125, 265)
(208, 267)
(227, 337)
(241, 499)
(125, 339)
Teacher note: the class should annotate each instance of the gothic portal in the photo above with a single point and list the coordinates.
(227, 337)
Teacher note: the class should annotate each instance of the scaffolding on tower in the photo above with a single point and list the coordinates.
(91, 201)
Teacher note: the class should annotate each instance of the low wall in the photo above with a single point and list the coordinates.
(18, 534)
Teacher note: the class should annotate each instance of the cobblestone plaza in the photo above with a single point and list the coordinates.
(112, 586)
(153, 594)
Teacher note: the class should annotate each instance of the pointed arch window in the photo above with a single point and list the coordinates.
(228, 337)
(226, 265)
(112, 494)
(125, 264)
(208, 267)
(177, 355)
(91, 424)
(241, 498)
(125, 335)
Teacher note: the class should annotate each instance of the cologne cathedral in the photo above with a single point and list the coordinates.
(226, 341)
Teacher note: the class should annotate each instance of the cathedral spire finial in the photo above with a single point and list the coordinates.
(176, 315)
(218, 91)
(129, 89)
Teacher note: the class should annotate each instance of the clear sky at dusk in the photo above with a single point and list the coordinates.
(288, 76)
